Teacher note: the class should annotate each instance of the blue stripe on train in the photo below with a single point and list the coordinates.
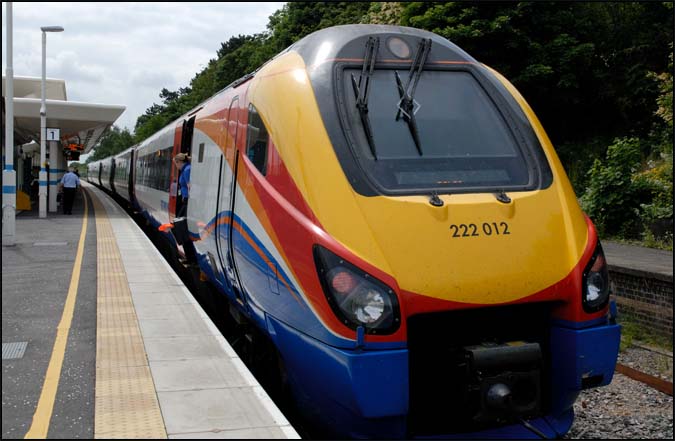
(223, 218)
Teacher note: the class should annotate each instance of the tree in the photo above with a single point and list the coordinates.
(111, 142)
(582, 66)
(81, 168)
(298, 19)
(243, 54)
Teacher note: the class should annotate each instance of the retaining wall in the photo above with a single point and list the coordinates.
(645, 297)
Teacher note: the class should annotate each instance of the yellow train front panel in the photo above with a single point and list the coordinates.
(471, 250)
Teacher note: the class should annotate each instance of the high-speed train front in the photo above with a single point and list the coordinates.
(445, 278)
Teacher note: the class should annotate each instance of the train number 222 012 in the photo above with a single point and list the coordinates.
(486, 229)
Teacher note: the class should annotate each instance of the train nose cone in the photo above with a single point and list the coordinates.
(498, 396)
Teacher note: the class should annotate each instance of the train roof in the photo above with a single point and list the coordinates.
(347, 42)
(125, 151)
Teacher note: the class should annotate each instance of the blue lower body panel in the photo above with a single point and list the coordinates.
(350, 393)
(354, 393)
(581, 359)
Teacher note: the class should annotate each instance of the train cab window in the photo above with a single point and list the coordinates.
(256, 140)
(454, 139)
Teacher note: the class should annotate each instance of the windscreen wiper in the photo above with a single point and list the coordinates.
(361, 89)
(407, 103)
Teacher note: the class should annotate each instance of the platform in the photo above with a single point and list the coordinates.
(650, 261)
(101, 339)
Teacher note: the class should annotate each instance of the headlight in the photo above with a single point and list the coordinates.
(595, 285)
(356, 297)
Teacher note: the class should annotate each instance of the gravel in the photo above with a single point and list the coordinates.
(627, 409)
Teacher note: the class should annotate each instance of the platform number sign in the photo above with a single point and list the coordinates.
(53, 134)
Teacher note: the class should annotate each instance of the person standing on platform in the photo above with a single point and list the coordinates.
(69, 182)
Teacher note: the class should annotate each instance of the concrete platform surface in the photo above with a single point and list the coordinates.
(633, 257)
(203, 388)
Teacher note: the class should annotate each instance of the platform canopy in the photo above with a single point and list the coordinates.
(79, 123)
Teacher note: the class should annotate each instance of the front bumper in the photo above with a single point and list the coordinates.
(366, 393)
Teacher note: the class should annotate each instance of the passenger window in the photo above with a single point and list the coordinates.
(256, 140)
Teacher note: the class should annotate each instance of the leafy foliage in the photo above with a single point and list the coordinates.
(626, 202)
(612, 199)
(240, 56)
(243, 54)
(81, 168)
(385, 13)
(112, 142)
(581, 65)
(298, 19)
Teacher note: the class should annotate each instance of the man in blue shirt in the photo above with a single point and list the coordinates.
(182, 163)
(69, 182)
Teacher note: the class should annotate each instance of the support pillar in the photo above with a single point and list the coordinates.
(53, 173)
(8, 173)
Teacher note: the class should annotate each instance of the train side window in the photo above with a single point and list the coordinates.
(166, 168)
(256, 140)
(201, 152)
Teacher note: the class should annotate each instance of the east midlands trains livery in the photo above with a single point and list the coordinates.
(390, 213)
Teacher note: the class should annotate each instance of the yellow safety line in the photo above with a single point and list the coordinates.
(45, 406)
(126, 403)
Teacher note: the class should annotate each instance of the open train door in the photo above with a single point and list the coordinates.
(226, 195)
(182, 144)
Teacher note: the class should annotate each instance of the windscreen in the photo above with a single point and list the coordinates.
(462, 140)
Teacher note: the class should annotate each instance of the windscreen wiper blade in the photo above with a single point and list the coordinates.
(362, 88)
(407, 104)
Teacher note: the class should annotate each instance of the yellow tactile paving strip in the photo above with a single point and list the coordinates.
(126, 400)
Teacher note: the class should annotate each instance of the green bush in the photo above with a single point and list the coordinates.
(612, 198)
(577, 157)
(657, 214)
(630, 199)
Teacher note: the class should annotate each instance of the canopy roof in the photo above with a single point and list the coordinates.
(79, 123)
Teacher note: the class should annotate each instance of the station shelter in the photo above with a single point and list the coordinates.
(73, 129)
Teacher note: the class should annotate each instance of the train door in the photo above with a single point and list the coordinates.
(132, 172)
(226, 192)
(186, 136)
(182, 144)
(113, 167)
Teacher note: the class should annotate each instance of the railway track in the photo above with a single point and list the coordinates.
(650, 380)
(637, 368)
(635, 405)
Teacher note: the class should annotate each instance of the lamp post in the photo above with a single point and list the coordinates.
(8, 174)
(43, 122)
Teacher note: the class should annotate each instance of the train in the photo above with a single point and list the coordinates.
(391, 215)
